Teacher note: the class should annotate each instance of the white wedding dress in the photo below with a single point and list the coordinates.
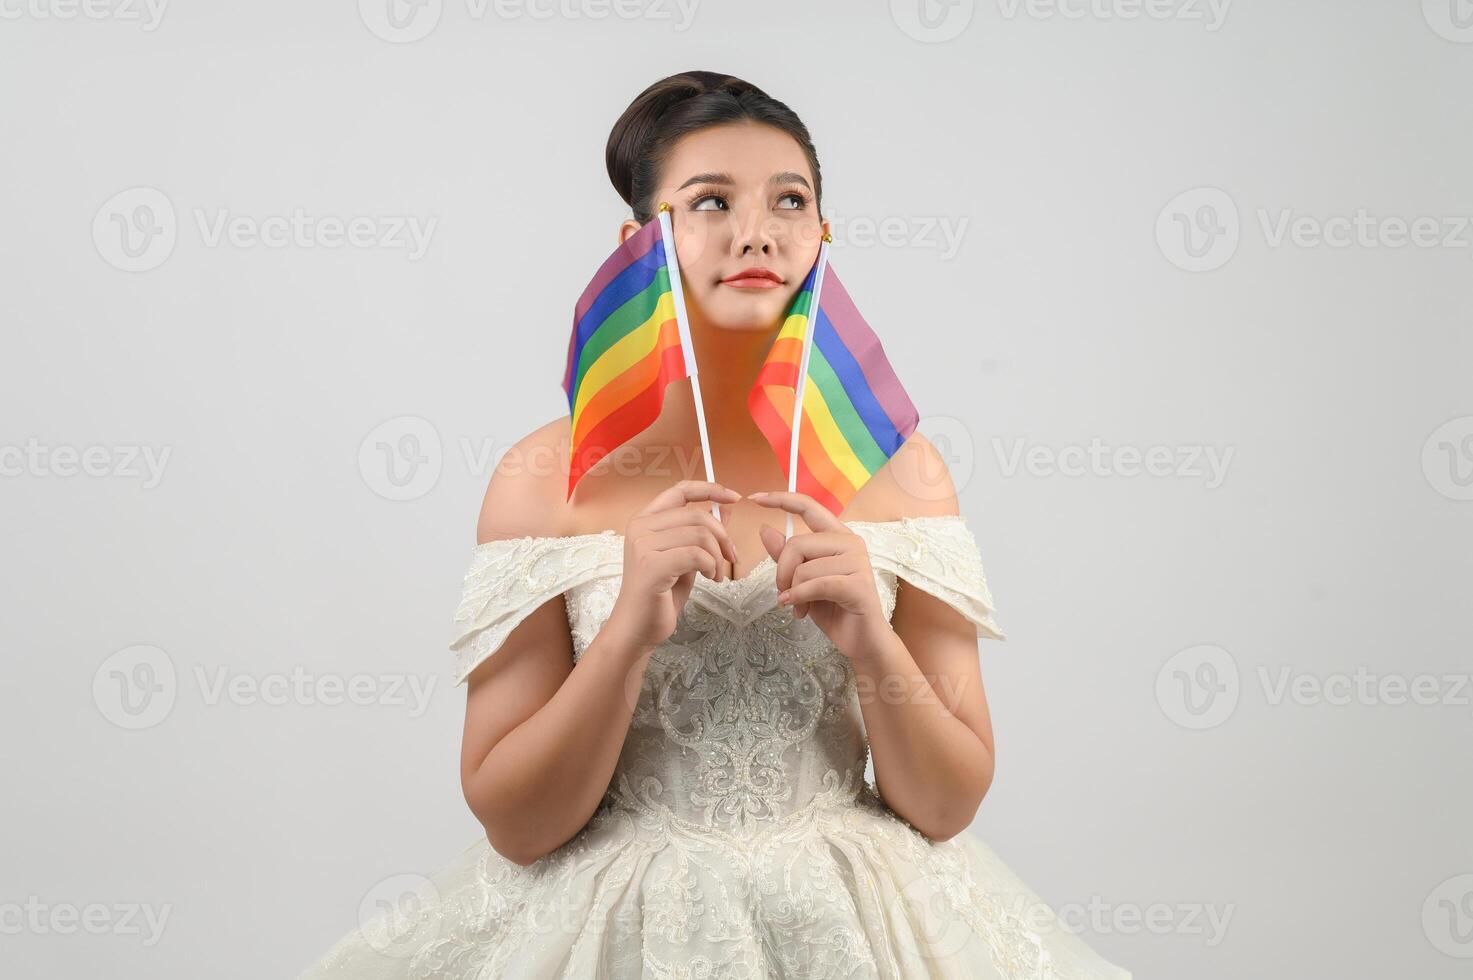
(738, 838)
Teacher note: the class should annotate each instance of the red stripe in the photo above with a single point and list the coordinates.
(773, 425)
(631, 418)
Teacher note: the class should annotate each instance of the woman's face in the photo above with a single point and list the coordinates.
(742, 195)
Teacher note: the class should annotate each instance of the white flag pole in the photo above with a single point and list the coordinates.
(808, 330)
(672, 265)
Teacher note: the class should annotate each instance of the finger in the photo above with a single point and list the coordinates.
(697, 535)
(814, 514)
(669, 566)
(805, 547)
(829, 588)
(685, 492)
(813, 568)
(687, 516)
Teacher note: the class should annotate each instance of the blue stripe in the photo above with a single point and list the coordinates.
(624, 287)
(851, 378)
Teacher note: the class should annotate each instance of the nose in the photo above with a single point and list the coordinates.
(753, 234)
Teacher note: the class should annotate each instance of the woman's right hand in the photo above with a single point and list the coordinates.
(665, 544)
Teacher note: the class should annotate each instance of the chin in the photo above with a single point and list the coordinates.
(756, 314)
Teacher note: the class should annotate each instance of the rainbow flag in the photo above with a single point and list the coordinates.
(855, 414)
(630, 339)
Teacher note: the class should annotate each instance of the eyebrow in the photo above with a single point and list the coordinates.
(785, 177)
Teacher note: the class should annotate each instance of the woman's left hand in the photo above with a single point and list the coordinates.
(826, 574)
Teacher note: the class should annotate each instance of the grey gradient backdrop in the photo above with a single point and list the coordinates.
(1114, 187)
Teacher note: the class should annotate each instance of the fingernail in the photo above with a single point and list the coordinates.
(782, 597)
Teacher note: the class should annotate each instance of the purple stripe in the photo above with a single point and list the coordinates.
(866, 348)
(625, 255)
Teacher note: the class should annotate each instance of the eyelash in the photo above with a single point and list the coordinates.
(800, 195)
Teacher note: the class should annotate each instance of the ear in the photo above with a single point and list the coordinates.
(826, 230)
(627, 230)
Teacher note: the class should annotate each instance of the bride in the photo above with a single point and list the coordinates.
(669, 714)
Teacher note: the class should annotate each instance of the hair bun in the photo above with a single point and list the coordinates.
(659, 116)
(639, 122)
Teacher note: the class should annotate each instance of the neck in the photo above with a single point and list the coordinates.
(727, 362)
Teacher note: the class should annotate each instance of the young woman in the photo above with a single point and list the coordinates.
(669, 715)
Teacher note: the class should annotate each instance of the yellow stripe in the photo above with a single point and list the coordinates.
(835, 446)
(632, 348)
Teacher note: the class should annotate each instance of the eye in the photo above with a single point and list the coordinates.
(794, 196)
(699, 203)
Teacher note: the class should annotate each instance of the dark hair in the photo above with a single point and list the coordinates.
(679, 104)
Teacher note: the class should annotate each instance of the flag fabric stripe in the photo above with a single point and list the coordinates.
(625, 377)
(867, 349)
(773, 418)
(638, 252)
(628, 350)
(628, 304)
(838, 364)
(855, 413)
(628, 343)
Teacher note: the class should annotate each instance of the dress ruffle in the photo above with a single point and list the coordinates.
(836, 891)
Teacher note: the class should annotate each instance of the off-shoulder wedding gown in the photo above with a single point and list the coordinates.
(738, 837)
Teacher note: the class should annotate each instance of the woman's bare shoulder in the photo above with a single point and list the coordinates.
(527, 492)
(914, 482)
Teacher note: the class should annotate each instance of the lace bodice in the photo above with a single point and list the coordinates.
(746, 717)
(737, 839)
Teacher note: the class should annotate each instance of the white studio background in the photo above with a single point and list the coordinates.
(1182, 287)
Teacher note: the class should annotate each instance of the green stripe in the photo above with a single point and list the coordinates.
(620, 323)
(801, 304)
(861, 442)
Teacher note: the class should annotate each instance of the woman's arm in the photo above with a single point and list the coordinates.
(920, 685)
(542, 736)
(924, 708)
